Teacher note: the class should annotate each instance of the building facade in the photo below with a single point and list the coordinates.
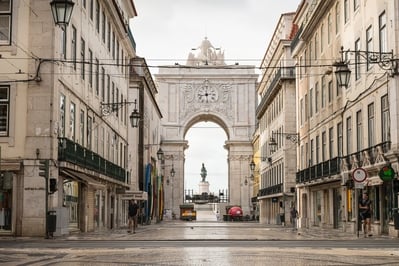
(343, 129)
(276, 114)
(62, 88)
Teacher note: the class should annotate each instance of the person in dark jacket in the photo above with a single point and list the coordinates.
(132, 213)
(365, 214)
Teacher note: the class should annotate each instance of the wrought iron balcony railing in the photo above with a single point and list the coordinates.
(72, 152)
(271, 190)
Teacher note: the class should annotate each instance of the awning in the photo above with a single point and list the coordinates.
(81, 177)
(134, 195)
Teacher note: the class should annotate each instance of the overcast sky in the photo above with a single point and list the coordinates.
(166, 30)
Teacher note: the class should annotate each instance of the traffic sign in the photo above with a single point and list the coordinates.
(359, 175)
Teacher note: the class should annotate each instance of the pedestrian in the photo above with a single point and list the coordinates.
(132, 213)
(365, 214)
(294, 216)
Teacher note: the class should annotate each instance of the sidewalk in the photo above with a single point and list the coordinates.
(175, 230)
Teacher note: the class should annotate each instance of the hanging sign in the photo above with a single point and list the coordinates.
(387, 173)
(359, 175)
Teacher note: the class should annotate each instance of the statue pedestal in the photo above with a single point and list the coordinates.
(203, 187)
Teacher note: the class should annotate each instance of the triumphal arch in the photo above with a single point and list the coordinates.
(206, 88)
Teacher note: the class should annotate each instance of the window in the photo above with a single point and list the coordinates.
(359, 131)
(72, 117)
(385, 119)
(349, 135)
(321, 38)
(307, 108)
(63, 43)
(101, 145)
(382, 23)
(317, 149)
(337, 18)
(89, 132)
(97, 17)
(82, 54)
(113, 45)
(329, 28)
(330, 91)
(4, 109)
(331, 142)
(90, 68)
(108, 88)
(339, 139)
(61, 126)
(117, 101)
(370, 115)
(97, 77)
(82, 127)
(73, 47)
(109, 37)
(346, 11)
(113, 93)
(102, 84)
(103, 24)
(323, 146)
(355, 5)
(369, 43)
(316, 46)
(117, 52)
(311, 152)
(357, 59)
(5, 22)
(84, 3)
(91, 9)
(311, 102)
(323, 91)
(302, 111)
(317, 98)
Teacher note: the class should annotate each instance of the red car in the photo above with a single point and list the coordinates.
(235, 213)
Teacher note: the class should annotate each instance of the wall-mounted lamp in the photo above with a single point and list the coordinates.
(384, 60)
(108, 108)
(62, 11)
(293, 137)
(160, 153)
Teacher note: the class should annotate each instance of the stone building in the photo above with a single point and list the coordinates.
(276, 113)
(64, 92)
(343, 129)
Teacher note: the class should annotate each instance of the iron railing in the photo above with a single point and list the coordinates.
(73, 152)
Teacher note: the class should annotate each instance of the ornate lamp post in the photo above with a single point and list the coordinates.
(62, 11)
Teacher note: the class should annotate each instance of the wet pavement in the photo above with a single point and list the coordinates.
(208, 228)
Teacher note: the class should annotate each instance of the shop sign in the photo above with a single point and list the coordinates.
(387, 173)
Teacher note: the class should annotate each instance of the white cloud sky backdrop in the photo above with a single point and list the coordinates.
(166, 30)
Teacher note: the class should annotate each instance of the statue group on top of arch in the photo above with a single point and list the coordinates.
(206, 54)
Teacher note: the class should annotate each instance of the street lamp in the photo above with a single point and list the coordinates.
(135, 116)
(62, 11)
(384, 60)
(293, 137)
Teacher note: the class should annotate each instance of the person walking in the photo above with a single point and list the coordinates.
(365, 214)
(132, 213)
(294, 216)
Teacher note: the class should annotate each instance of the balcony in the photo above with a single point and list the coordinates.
(367, 157)
(318, 171)
(283, 73)
(271, 190)
(364, 158)
(296, 38)
(72, 152)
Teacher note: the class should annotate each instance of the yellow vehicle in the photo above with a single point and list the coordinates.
(187, 212)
